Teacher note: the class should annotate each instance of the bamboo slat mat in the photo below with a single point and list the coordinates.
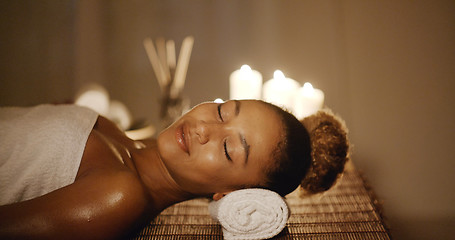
(347, 211)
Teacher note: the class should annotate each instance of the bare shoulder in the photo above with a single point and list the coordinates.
(107, 201)
(108, 205)
(114, 201)
(113, 187)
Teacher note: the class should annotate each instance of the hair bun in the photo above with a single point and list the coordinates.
(329, 150)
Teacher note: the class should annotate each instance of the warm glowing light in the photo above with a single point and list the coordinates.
(245, 69)
(119, 114)
(245, 83)
(95, 97)
(308, 101)
(307, 89)
(278, 75)
(280, 90)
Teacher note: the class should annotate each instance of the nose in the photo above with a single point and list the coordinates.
(204, 131)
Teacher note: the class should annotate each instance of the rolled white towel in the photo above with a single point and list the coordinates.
(250, 214)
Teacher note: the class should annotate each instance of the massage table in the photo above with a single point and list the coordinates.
(349, 210)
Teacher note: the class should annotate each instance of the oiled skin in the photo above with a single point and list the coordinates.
(121, 184)
(108, 199)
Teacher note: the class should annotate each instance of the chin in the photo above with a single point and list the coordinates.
(167, 145)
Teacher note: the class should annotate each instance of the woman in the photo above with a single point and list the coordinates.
(120, 184)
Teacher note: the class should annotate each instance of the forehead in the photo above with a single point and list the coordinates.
(263, 132)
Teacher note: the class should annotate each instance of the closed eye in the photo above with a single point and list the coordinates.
(226, 152)
(219, 112)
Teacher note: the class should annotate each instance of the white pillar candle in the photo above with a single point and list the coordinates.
(119, 114)
(308, 100)
(95, 97)
(245, 83)
(280, 90)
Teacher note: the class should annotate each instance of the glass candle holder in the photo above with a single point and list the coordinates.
(172, 109)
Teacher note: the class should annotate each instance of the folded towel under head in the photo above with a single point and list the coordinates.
(250, 214)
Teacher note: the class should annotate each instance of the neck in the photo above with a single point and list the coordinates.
(162, 188)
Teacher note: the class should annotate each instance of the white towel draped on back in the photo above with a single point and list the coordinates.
(41, 148)
(250, 214)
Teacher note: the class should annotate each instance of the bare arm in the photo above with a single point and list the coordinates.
(98, 206)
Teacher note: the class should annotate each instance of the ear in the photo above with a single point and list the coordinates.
(218, 196)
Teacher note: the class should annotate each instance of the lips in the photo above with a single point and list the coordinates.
(181, 138)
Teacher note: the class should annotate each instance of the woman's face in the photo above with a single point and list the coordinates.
(219, 147)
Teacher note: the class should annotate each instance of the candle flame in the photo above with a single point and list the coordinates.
(308, 88)
(245, 68)
(218, 100)
(278, 75)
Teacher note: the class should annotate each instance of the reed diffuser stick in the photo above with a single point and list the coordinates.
(171, 75)
(170, 50)
(182, 66)
(155, 61)
(161, 49)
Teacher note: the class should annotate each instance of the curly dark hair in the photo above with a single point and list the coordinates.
(312, 153)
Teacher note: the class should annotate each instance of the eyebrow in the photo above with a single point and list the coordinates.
(237, 107)
(245, 145)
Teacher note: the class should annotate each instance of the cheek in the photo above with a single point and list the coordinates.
(208, 164)
(202, 173)
(206, 161)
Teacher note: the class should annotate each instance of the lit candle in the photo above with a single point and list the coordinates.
(308, 101)
(245, 83)
(280, 90)
(95, 97)
(119, 114)
(218, 100)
